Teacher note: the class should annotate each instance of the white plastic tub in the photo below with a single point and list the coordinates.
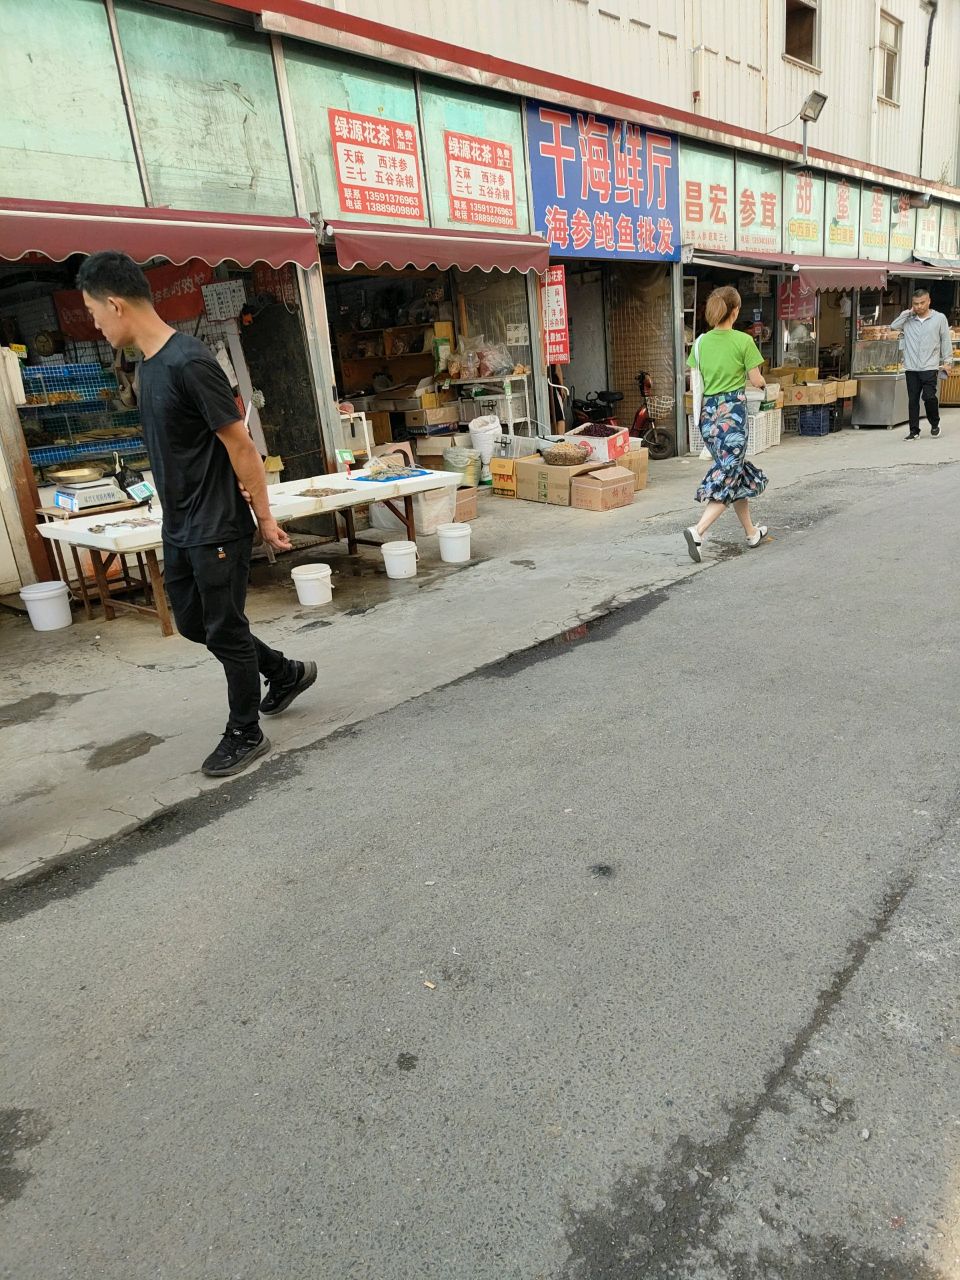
(400, 559)
(454, 543)
(48, 605)
(313, 584)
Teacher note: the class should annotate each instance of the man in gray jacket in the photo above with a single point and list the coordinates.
(926, 350)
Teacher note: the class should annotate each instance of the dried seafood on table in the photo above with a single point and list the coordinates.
(319, 493)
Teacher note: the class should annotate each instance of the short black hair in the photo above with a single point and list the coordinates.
(921, 293)
(111, 272)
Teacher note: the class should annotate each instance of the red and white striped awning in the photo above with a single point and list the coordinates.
(59, 230)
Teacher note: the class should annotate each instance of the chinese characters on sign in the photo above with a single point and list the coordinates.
(73, 317)
(279, 284)
(377, 164)
(707, 195)
(556, 324)
(797, 302)
(177, 291)
(903, 228)
(875, 224)
(603, 187)
(842, 218)
(928, 231)
(759, 206)
(480, 181)
(949, 231)
(803, 197)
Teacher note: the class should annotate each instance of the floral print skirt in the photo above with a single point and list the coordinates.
(723, 425)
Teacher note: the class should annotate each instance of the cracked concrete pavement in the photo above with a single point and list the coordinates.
(104, 725)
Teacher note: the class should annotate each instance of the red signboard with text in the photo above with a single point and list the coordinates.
(177, 295)
(480, 180)
(556, 322)
(177, 291)
(378, 168)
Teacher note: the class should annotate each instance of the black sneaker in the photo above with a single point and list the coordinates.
(934, 431)
(913, 435)
(282, 692)
(237, 749)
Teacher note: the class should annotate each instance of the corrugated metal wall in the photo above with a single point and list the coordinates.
(731, 53)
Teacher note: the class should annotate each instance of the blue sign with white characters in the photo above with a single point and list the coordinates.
(603, 188)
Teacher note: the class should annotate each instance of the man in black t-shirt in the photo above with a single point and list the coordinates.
(201, 453)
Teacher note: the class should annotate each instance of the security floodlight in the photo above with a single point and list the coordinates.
(810, 111)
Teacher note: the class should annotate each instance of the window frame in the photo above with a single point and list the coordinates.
(885, 51)
(798, 6)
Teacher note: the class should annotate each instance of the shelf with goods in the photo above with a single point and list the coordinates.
(366, 354)
(75, 411)
(511, 406)
(950, 386)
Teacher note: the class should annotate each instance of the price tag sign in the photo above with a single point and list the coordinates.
(346, 457)
(18, 350)
(143, 492)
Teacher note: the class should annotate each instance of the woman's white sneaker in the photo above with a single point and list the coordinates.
(694, 543)
(758, 537)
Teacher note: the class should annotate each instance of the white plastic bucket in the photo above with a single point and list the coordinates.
(48, 605)
(400, 559)
(454, 543)
(313, 583)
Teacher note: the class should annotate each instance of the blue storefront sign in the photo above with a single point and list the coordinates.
(603, 188)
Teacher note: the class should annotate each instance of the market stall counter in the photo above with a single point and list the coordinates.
(134, 538)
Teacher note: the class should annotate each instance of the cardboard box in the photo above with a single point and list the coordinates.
(813, 393)
(637, 461)
(785, 374)
(466, 505)
(504, 472)
(432, 417)
(846, 390)
(380, 426)
(430, 449)
(537, 481)
(605, 448)
(603, 490)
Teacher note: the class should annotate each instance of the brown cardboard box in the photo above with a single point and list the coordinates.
(432, 417)
(847, 389)
(430, 449)
(603, 490)
(504, 472)
(814, 393)
(466, 505)
(537, 481)
(380, 426)
(637, 461)
(785, 374)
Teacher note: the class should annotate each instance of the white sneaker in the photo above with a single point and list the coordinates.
(758, 537)
(694, 543)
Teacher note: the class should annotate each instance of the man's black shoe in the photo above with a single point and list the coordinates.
(913, 435)
(934, 431)
(237, 749)
(281, 693)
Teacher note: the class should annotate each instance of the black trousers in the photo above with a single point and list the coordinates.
(207, 587)
(923, 383)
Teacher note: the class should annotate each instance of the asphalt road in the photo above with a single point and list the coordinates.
(636, 957)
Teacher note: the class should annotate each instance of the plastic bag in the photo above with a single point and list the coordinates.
(495, 360)
(484, 433)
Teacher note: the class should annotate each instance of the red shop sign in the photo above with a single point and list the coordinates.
(378, 169)
(480, 180)
(177, 290)
(273, 282)
(556, 322)
(73, 316)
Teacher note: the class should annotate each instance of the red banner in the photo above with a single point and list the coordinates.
(177, 290)
(378, 170)
(74, 318)
(556, 322)
(480, 181)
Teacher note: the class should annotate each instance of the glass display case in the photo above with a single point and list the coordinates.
(882, 394)
(76, 412)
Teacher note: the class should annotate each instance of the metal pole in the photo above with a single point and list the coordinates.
(128, 101)
(309, 280)
(541, 394)
(679, 356)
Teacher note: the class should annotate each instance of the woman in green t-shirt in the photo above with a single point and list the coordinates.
(727, 360)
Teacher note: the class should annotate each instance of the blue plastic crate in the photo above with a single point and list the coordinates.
(815, 420)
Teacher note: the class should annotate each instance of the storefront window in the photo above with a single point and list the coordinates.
(640, 323)
(493, 304)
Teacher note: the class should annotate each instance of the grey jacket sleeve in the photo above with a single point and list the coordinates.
(901, 320)
(946, 342)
